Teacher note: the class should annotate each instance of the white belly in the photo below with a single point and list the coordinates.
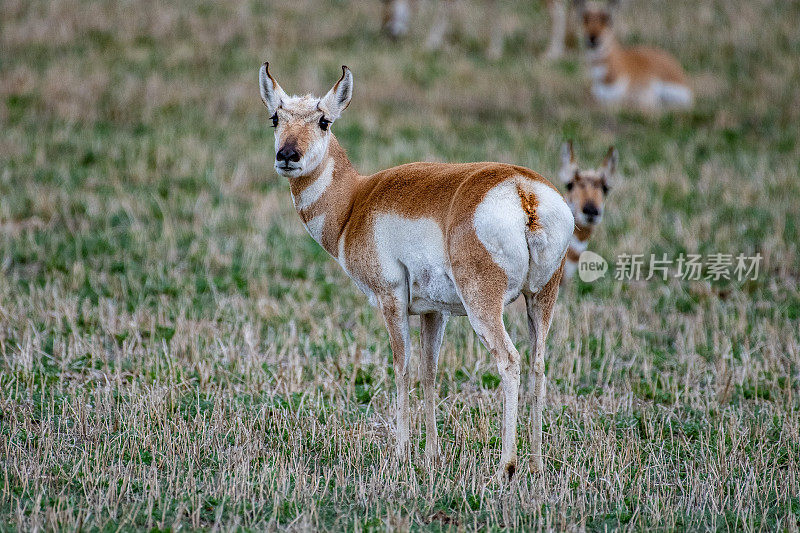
(411, 254)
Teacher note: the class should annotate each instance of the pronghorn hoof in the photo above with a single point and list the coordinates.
(403, 452)
(507, 472)
(433, 461)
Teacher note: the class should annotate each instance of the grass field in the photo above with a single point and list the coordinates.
(176, 352)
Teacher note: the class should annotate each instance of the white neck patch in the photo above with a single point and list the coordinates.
(313, 192)
(576, 245)
(315, 227)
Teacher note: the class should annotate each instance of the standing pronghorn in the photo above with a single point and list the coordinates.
(430, 239)
(586, 194)
(397, 20)
(647, 77)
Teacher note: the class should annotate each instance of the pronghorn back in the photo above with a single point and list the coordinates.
(445, 205)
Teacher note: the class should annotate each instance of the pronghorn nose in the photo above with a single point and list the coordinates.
(590, 210)
(288, 153)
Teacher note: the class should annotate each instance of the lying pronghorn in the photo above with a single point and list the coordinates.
(586, 194)
(647, 77)
(431, 239)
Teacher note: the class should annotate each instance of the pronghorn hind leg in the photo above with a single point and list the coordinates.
(493, 335)
(540, 315)
(482, 296)
(395, 314)
(431, 333)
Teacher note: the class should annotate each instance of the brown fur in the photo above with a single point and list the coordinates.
(573, 255)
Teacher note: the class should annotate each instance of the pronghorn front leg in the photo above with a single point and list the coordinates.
(558, 28)
(431, 333)
(395, 314)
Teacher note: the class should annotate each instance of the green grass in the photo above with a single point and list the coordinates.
(176, 352)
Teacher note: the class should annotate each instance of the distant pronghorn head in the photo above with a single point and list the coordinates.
(586, 189)
(302, 123)
(596, 17)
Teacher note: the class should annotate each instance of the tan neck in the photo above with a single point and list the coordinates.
(582, 233)
(334, 202)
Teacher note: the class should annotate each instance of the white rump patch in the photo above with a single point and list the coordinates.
(549, 243)
(313, 192)
(500, 224)
(673, 94)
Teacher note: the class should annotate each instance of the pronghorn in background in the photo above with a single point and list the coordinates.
(397, 20)
(564, 25)
(433, 240)
(586, 195)
(649, 78)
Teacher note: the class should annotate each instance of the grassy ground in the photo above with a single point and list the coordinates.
(175, 351)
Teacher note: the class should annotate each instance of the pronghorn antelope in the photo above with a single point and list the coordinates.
(433, 240)
(647, 77)
(586, 194)
(397, 17)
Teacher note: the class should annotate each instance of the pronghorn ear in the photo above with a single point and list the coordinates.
(271, 92)
(609, 167)
(338, 98)
(568, 163)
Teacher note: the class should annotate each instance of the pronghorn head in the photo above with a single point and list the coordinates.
(302, 123)
(596, 17)
(586, 189)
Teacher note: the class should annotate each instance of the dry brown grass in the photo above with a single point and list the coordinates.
(176, 353)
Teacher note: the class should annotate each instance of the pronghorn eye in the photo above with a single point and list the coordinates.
(605, 188)
(324, 123)
(570, 185)
(274, 119)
